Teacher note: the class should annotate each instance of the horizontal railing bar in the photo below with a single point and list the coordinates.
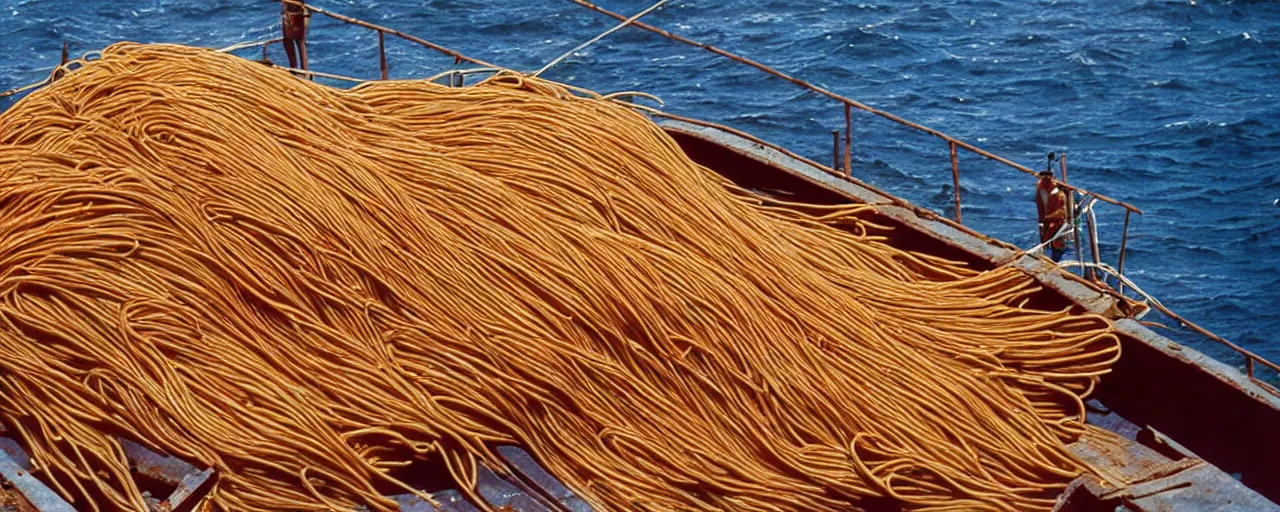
(347, 19)
(834, 172)
(845, 100)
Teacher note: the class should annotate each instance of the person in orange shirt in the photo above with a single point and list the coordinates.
(294, 19)
(1051, 210)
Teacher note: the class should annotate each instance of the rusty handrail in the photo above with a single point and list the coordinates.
(353, 21)
(889, 198)
(847, 101)
(1248, 354)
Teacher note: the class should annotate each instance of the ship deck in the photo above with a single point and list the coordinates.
(1184, 430)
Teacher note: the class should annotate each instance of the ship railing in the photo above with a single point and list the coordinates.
(1095, 270)
(844, 155)
(1082, 218)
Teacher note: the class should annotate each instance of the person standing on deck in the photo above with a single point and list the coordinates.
(1051, 210)
(294, 19)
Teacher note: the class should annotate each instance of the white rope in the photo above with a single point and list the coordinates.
(317, 74)
(1064, 230)
(250, 44)
(602, 35)
(1108, 269)
(614, 96)
(463, 72)
(24, 88)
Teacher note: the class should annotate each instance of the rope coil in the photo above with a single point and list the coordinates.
(306, 288)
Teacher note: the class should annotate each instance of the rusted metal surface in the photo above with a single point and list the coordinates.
(189, 482)
(1250, 357)
(519, 493)
(1087, 296)
(193, 487)
(446, 501)
(535, 475)
(164, 468)
(1081, 495)
(29, 493)
(1200, 487)
(1191, 486)
(1165, 444)
(500, 492)
(1142, 479)
(1111, 421)
(1219, 370)
(1121, 458)
(1207, 406)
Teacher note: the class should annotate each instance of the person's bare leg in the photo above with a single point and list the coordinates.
(302, 52)
(293, 55)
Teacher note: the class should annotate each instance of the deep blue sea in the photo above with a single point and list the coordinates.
(1172, 105)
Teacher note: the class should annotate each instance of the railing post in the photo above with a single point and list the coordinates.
(1071, 213)
(955, 178)
(835, 150)
(848, 141)
(382, 53)
(1124, 241)
(1248, 366)
(1092, 222)
(457, 80)
(66, 55)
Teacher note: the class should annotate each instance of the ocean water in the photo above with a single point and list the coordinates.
(1171, 105)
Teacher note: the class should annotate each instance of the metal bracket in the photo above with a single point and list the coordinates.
(32, 494)
(530, 488)
(190, 483)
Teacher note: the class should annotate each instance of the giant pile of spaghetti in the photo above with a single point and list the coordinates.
(306, 288)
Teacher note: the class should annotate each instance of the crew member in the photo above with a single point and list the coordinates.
(294, 18)
(1051, 210)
